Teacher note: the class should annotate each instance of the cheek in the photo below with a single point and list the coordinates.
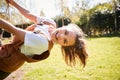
(60, 42)
(53, 38)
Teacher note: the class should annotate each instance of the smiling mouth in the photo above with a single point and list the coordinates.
(56, 36)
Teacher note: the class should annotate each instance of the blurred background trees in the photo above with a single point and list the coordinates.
(98, 20)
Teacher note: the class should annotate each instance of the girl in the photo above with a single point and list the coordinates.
(34, 43)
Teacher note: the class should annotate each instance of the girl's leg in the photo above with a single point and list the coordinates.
(3, 75)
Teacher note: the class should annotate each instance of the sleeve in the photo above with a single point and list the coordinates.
(49, 20)
(36, 41)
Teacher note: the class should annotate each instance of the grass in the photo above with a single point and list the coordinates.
(103, 63)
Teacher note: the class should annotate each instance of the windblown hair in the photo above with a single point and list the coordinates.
(77, 51)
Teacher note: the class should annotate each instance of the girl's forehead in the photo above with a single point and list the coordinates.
(63, 28)
(71, 37)
(66, 28)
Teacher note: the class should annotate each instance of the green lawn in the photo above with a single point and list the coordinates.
(103, 63)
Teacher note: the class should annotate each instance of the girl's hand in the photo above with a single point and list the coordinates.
(10, 2)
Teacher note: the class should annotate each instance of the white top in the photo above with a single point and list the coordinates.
(36, 43)
(41, 19)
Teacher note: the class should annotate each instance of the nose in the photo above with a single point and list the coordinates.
(61, 36)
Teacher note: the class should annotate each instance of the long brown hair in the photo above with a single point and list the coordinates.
(77, 51)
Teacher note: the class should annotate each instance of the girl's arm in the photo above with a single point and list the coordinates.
(31, 16)
(12, 29)
(23, 11)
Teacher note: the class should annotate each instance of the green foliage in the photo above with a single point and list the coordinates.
(3, 7)
(98, 20)
(103, 63)
(62, 21)
(3, 4)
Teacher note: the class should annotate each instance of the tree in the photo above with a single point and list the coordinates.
(118, 15)
(3, 9)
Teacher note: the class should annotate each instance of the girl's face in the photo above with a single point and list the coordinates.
(63, 36)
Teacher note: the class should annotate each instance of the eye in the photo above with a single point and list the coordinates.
(66, 32)
(65, 41)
